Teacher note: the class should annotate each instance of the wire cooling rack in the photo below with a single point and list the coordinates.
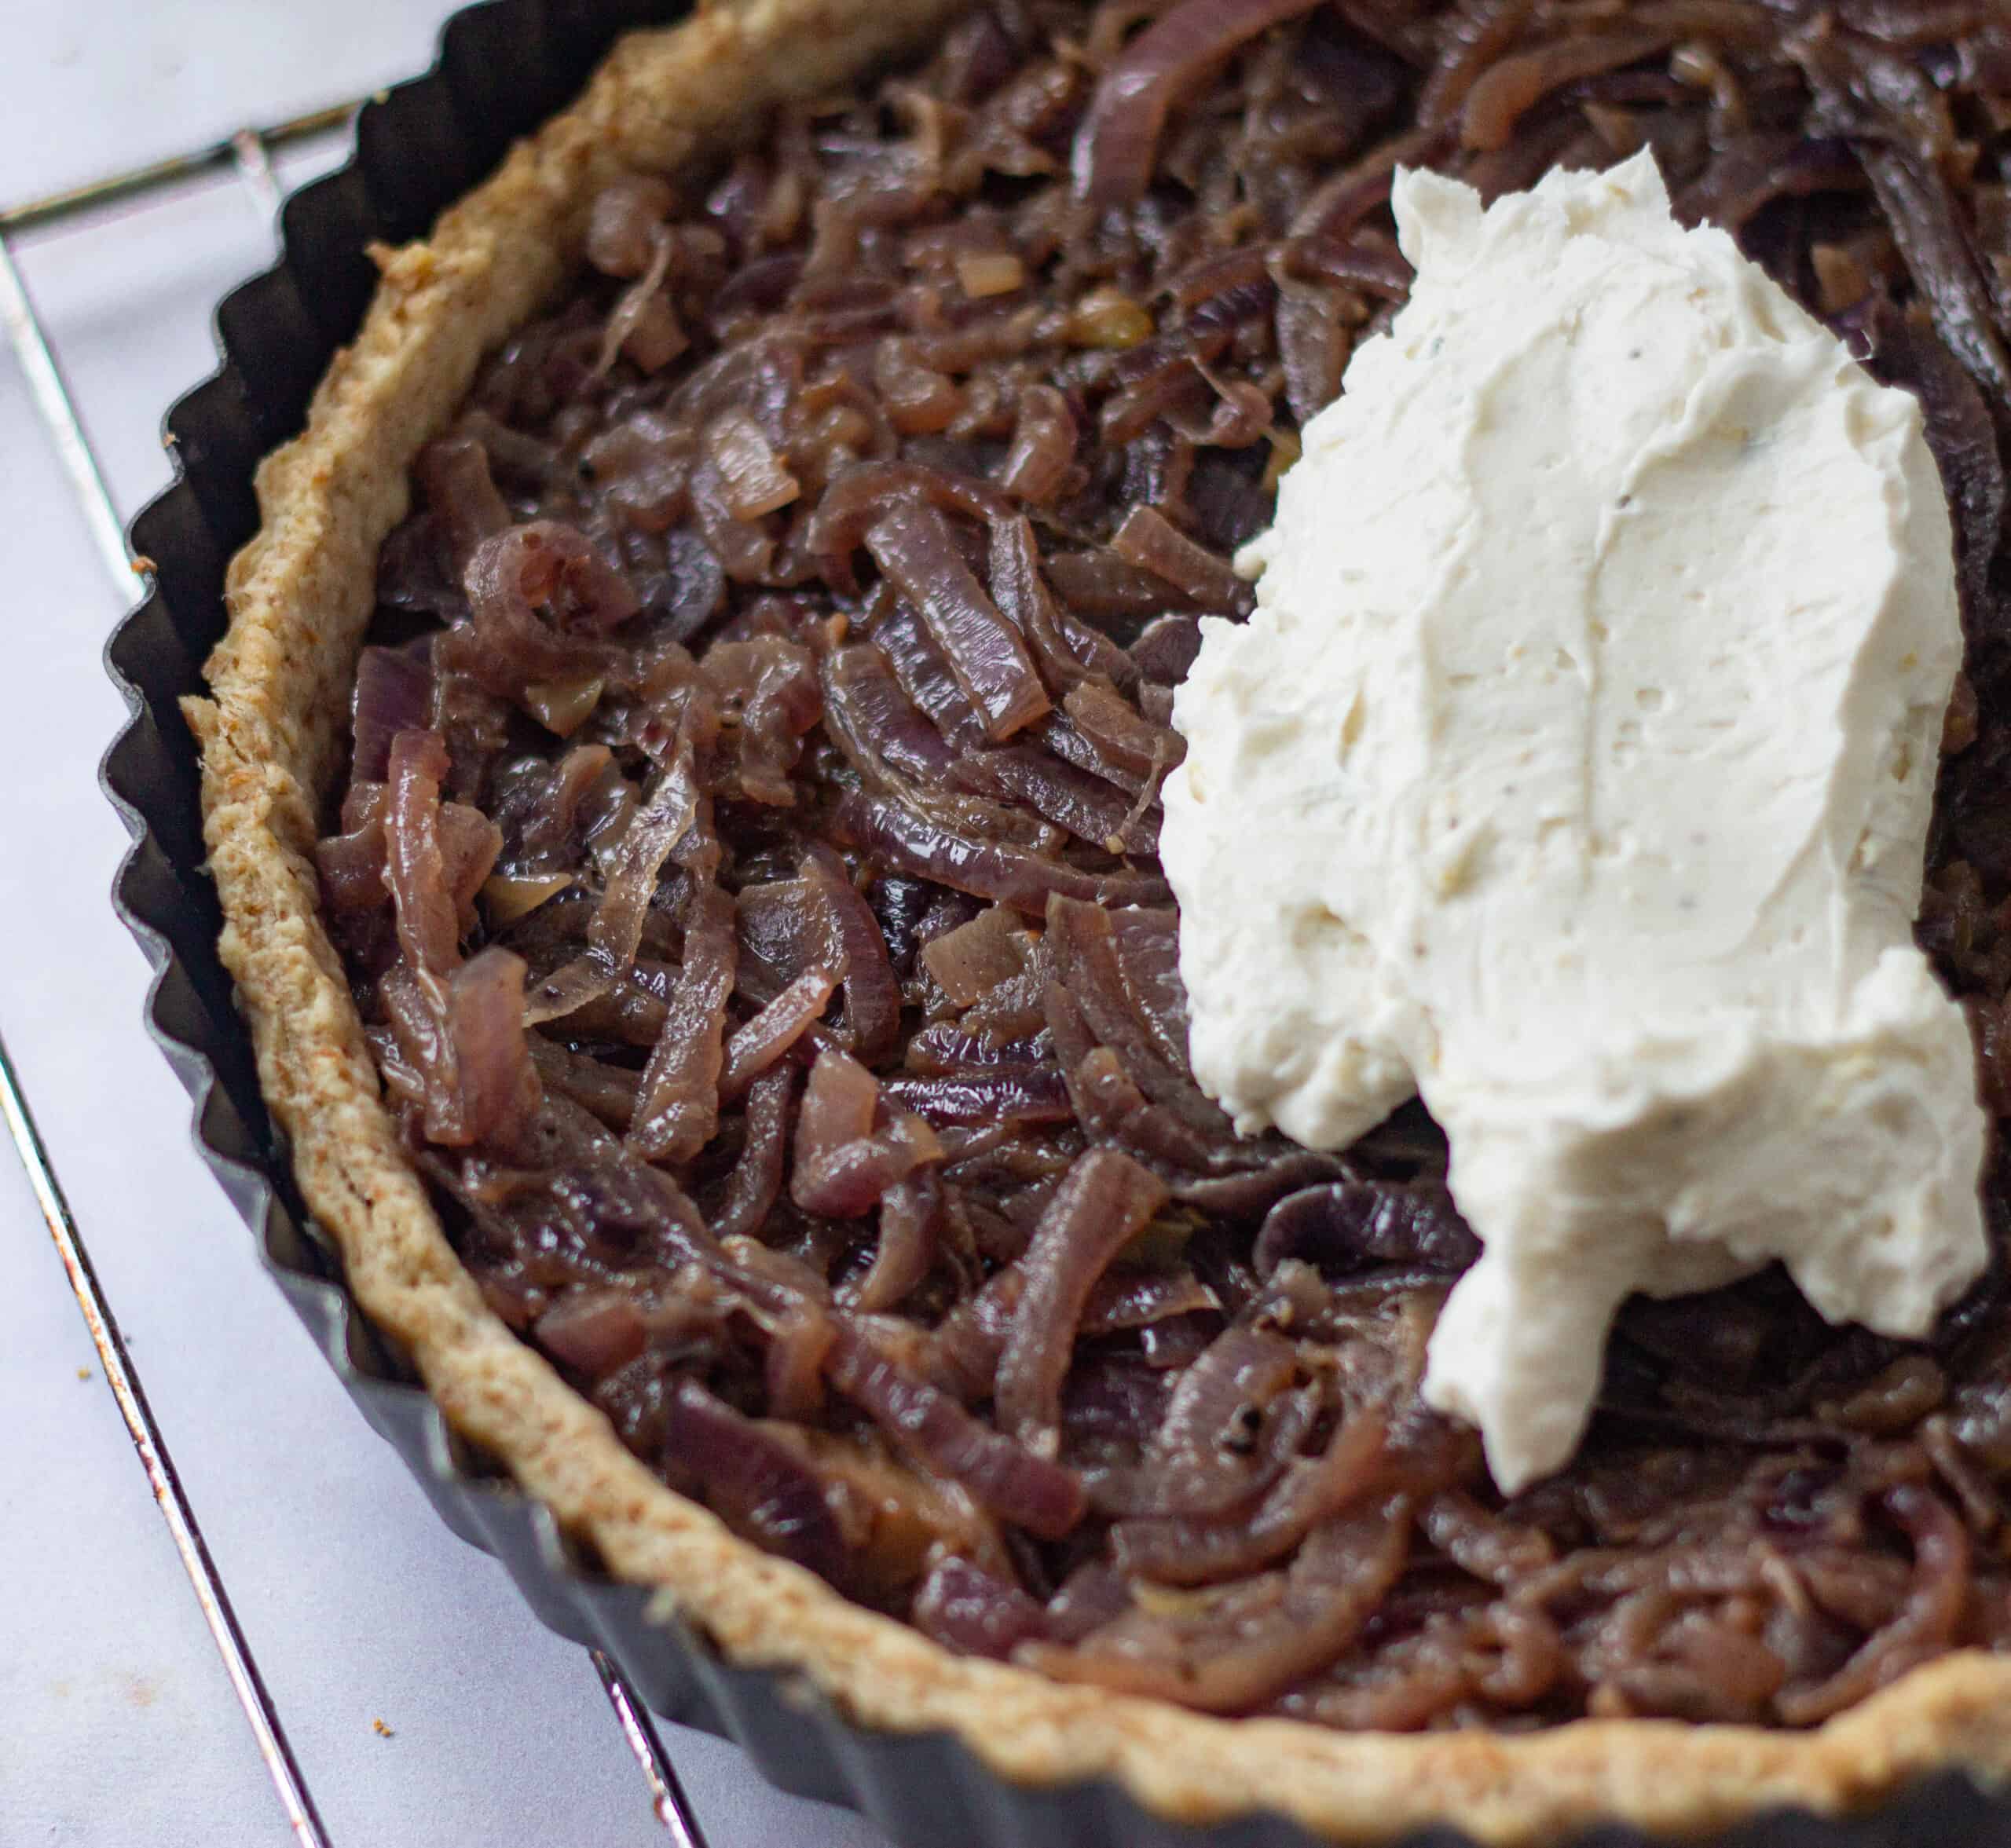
(248, 153)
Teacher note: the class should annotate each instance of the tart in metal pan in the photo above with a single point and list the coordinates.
(272, 736)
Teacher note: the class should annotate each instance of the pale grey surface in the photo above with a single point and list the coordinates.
(115, 86)
(119, 1728)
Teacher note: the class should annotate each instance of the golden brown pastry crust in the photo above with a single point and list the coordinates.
(299, 596)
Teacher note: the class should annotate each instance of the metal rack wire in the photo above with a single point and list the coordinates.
(248, 153)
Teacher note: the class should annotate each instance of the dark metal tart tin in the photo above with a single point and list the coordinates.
(503, 67)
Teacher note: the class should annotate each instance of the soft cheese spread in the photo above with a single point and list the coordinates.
(1574, 773)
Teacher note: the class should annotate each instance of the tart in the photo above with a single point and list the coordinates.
(680, 779)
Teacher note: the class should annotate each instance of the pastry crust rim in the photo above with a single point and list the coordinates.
(298, 596)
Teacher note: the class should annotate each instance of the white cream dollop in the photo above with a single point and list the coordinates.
(1574, 773)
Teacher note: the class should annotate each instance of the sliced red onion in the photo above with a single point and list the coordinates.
(854, 1177)
(966, 1345)
(1091, 809)
(1374, 271)
(1236, 1656)
(745, 549)
(499, 1090)
(1166, 648)
(1314, 344)
(1352, 1225)
(1225, 290)
(607, 1090)
(912, 545)
(593, 1329)
(1092, 1596)
(946, 1050)
(1145, 944)
(754, 1477)
(1111, 1402)
(1222, 1441)
(1016, 1094)
(668, 814)
(1060, 735)
(1476, 35)
(453, 472)
(1106, 1200)
(1068, 650)
(628, 317)
(1038, 466)
(568, 803)
(1927, 224)
(1926, 1624)
(920, 400)
(767, 687)
(350, 867)
(1179, 1551)
(513, 574)
(1121, 732)
(1113, 1108)
(1085, 942)
(1962, 435)
(839, 1107)
(969, 1611)
(1147, 539)
(1031, 1491)
(468, 845)
(1099, 584)
(771, 1034)
(843, 1164)
(1161, 378)
(974, 958)
(861, 496)
(463, 1036)
(1024, 880)
(1118, 143)
(793, 1370)
(1341, 203)
(1508, 89)
(755, 1184)
(884, 737)
(859, 952)
(781, 936)
(1252, 1194)
(428, 929)
(625, 222)
(678, 1106)
(923, 671)
(753, 481)
(911, 1222)
(394, 694)
(1489, 1545)
(1127, 1298)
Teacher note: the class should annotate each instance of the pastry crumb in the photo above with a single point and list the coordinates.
(382, 1730)
(83, 1373)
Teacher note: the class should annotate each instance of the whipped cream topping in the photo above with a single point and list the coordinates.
(1575, 772)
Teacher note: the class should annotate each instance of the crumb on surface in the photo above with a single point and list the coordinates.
(83, 1373)
(382, 1730)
